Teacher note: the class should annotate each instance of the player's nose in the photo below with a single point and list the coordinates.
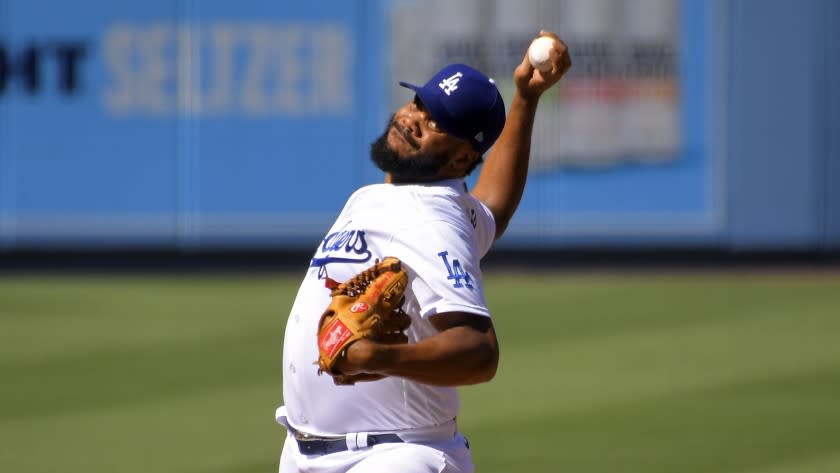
(411, 123)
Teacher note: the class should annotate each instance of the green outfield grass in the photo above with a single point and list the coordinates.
(615, 374)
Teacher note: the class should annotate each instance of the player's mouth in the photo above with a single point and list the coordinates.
(405, 135)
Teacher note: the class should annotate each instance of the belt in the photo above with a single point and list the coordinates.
(311, 445)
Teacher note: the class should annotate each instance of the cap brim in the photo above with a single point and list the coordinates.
(409, 86)
(419, 90)
(430, 101)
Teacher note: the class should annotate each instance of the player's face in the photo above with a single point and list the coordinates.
(414, 148)
(403, 165)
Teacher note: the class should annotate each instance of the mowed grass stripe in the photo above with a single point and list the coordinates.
(622, 369)
(138, 339)
(111, 378)
(740, 427)
(827, 463)
(594, 366)
(620, 374)
(56, 317)
(611, 380)
(561, 307)
(222, 429)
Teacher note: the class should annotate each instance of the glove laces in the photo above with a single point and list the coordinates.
(361, 281)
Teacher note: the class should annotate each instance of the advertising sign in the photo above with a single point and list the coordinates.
(623, 146)
(182, 121)
(199, 123)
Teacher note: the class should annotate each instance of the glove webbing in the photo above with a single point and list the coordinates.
(360, 282)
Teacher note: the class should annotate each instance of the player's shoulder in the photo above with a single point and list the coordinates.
(443, 207)
(410, 200)
(446, 188)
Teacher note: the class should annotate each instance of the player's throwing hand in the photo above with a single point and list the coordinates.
(531, 82)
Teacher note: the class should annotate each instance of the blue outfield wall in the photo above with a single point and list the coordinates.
(202, 124)
(783, 125)
(188, 123)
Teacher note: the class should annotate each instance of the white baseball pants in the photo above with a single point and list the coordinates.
(421, 453)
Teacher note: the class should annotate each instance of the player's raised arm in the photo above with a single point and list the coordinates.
(502, 179)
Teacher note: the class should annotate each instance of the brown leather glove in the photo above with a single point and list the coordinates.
(368, 305)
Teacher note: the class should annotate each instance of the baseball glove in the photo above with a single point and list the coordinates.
(368, 305)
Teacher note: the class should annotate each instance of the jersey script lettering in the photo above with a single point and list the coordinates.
(346, 246)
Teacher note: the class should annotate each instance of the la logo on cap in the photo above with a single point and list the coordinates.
(450, 84)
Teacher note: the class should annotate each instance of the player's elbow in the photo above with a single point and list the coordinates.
(491, 364)
(472, 347)
(487, 362)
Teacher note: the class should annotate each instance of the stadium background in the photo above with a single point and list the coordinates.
(667, 296)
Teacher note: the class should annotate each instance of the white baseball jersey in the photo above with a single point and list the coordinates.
(440, 232)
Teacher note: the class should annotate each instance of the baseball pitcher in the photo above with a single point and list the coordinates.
(391, 316)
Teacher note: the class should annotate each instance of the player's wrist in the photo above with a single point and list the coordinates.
(362, 356)
(525, 100)
(382, 357)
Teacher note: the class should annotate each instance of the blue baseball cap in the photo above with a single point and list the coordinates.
(465, 103)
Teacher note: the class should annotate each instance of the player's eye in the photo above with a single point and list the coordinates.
(418, 105)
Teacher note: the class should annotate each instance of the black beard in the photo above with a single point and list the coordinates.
(418, 167)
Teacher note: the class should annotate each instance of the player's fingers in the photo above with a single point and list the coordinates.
(560, 61)
(559, 54)
(563, 50)
(523, 73)
(526, 64)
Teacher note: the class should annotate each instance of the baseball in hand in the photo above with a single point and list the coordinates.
(538, 53)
